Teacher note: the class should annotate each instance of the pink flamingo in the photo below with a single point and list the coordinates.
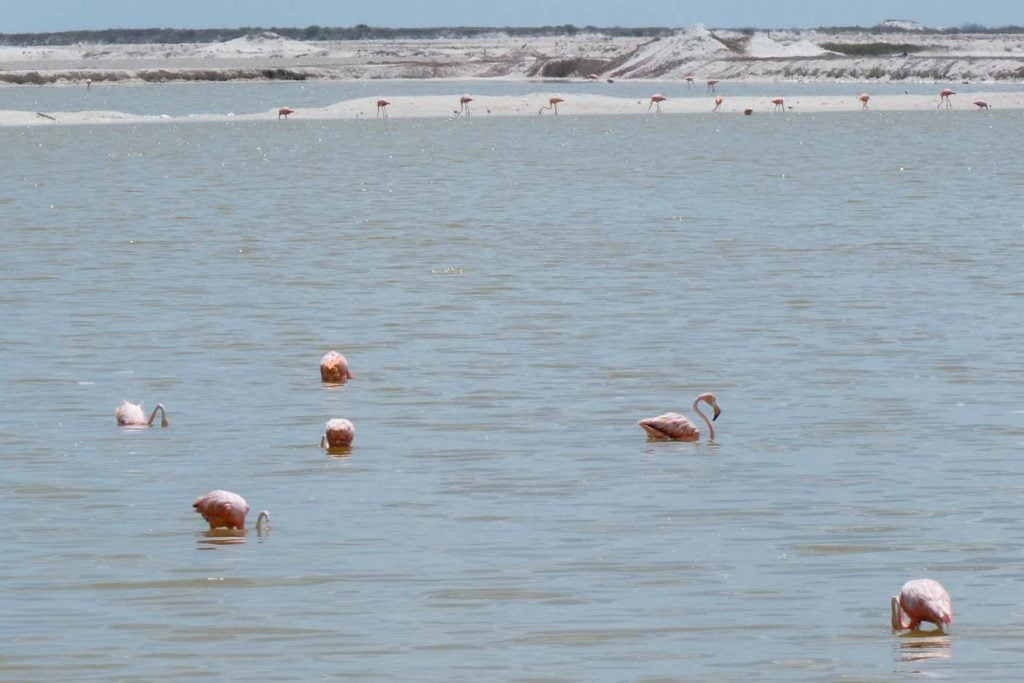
(334, 368)
(552, 104)
(689, 81)
(718, 102)
(779, 104)
(921, 600)
(676, 427)
(464, 104)
(224, 509)
(711, 84)
(864, 98)
(338, 434)
(656, 101)
(944, 97)
(132, 415)
(283, 112)
(981, 104)
(382, 108)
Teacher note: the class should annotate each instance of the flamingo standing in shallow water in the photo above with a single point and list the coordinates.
(711, 84)
(656, 101)
(676, 427)
(132, 415)
(283, 112)
(921, 600)
(382, 108)
(718, 102)
(552, 104)
(944, 97)
(224, 509)
(689, 81)
(981, 104)
(338, 434)
(334, 368)
(779, 104)
(864, 98)
(464, 104)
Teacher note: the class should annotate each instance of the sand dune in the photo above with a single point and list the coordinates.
(876, 55)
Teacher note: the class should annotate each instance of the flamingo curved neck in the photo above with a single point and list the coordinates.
(711, 427)
(898, 621)
(259, 520)
(163, 416)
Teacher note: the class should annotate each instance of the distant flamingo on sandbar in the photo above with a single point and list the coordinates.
(382, 108)
(676, 427)
(921, 600)
(864, 98)
(283, 112)
(780, 104)
(132, 415)
(656, 101)
(718, 102)
(227, 510)
(338, 434)
(711, 84)
(592, 77)
(464, 104)
(944, 97)
(552, 104)
(334, 368)
(689, 81)
(981, 105)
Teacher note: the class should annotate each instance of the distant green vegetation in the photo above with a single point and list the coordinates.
(870, 49)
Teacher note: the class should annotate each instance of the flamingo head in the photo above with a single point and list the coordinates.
(710, 399)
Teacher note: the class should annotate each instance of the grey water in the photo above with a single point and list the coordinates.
(513, 295)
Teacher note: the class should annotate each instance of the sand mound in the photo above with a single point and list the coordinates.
(763, 46)
(663, 55)
(262, 44)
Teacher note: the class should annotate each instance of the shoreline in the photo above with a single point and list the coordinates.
(446, 106)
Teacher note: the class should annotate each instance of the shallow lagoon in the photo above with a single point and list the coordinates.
(513, 294)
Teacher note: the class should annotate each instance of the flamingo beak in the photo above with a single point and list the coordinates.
(718, 411)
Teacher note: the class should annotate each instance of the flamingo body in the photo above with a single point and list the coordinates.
(283, 112)
(981, 104)
(656, 101)
(382, 108)
(338, 434)
(779, 104)
(718, 102)
(711, 84)
(553, 103)
(676, 427)
(864, 99)
(334, 368)
(944, 97)
(464, 104)
(222, 509)
(921, 600)
(131, 415)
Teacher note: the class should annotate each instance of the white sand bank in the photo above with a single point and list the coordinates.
(530, 105)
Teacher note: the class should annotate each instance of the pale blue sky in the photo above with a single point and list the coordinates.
(62, 15)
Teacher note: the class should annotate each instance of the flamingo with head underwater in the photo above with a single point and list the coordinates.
(131, 415)
(921, 600)
(676, 427)
(227, 510)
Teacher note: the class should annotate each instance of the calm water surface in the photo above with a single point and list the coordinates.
(513, 294)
